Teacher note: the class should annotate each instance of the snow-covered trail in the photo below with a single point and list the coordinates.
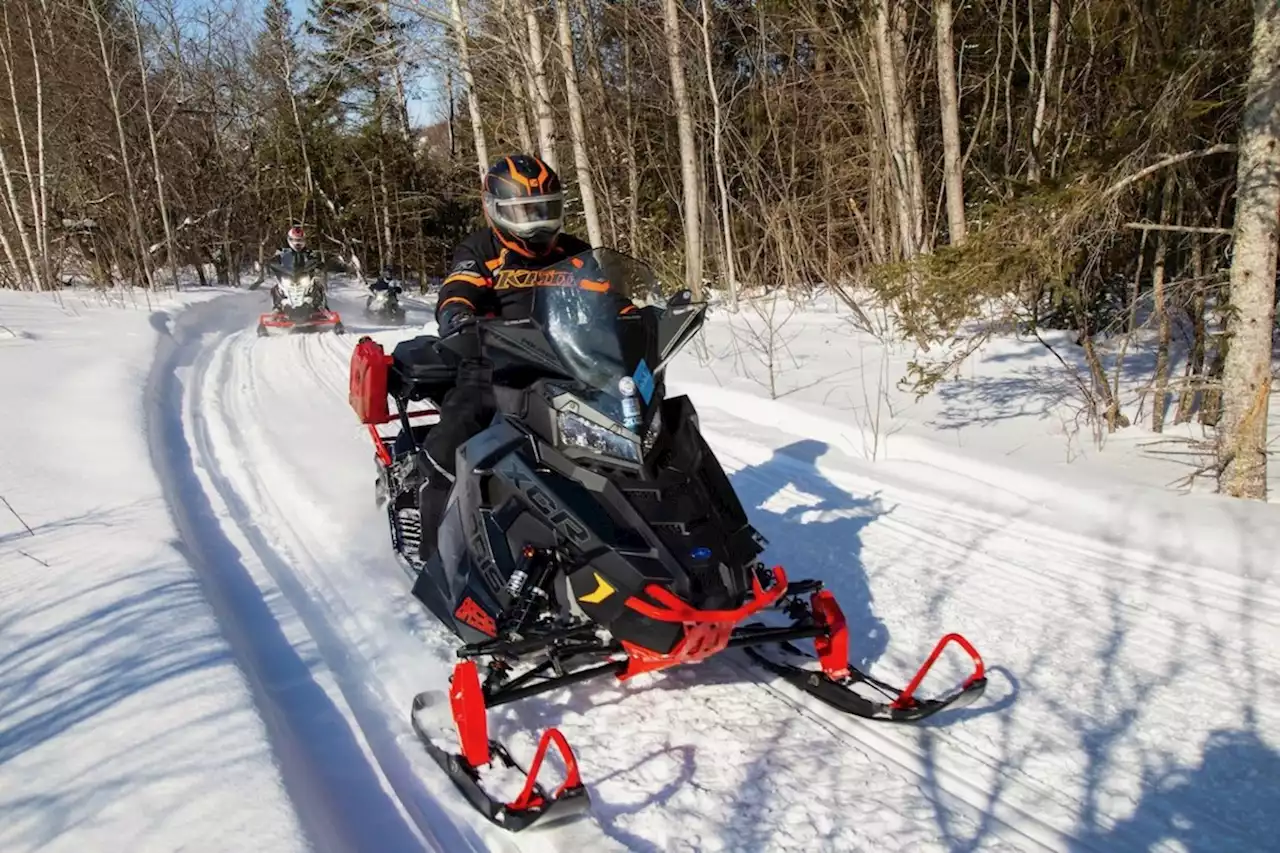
(1133, 688)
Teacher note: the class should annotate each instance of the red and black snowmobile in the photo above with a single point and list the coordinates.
(591, 533)
(301, 303)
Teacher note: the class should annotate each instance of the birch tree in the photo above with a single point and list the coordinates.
(717, 138)
(949, 100)
(541, 94)
(577, 127)
(1246, 375)
(692, 196)
(36, 258)
(114, 91)
(155, 153)
(469, 80)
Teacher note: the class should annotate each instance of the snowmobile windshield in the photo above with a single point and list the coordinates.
(604, 316)
(295, 264)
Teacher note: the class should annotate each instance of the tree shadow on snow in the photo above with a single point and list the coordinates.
(815, 529)
(1098, 705)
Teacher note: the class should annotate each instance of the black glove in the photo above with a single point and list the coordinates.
(454, 317)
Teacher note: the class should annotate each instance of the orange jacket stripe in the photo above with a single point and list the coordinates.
(477, 280)
(462, 299)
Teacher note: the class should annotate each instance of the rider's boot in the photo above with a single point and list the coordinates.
(432, 497)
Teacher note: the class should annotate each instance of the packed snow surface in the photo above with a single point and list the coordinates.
(205, 643)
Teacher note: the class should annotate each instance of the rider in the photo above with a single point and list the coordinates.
(524, 207)
(293, 255)
(385, 282)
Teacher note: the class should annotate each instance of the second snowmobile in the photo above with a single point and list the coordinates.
(302, 303)
(590, 532)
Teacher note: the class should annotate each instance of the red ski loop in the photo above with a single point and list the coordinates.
(529, 798)
(906, 698)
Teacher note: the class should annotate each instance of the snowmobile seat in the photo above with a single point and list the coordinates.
(419, 371)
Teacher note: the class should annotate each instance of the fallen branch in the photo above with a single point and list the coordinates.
(1173, 160)
(1185, 229)
(15, 515)
(37, 559)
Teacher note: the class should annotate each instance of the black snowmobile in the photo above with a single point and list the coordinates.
(382, 305)
(591, 533)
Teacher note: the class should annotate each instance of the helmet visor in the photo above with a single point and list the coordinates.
(528, 214)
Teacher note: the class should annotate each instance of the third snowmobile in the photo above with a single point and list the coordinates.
(382, 305)
(590, 532)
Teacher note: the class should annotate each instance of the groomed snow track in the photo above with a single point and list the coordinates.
(1097, 731)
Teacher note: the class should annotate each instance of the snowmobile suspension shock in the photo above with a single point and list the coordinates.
(526, 584)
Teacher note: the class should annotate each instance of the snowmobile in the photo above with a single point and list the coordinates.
(304, 305)
(383, 306)
(590, 532)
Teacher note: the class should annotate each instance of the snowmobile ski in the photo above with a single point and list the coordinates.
(533, 804)
(834, 685)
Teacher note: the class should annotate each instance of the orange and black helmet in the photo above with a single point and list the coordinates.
(524, 204)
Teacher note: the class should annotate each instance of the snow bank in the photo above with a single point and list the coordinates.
(125, 723)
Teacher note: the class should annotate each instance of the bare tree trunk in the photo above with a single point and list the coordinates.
(1242, 435)
(397, 73)
(908, 195)
(389, 257)
(722, 186)
(114, 93)
(633, 168)
(688, 154)
(155, 151)
(911, 154)
(1046, 80)
(15, 267)
(42, 213)
(542, 90)
(577, 127)
(12, 203)
(453, 114)
(948, 93)
(1164, 325)
(522, 111)
(1194, 377)
(469, 80)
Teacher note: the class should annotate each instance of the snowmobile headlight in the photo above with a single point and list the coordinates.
(576, 431)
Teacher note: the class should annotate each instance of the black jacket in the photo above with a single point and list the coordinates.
(487, 276)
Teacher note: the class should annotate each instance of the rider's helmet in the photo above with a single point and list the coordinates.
(297, 238)
(524, 204)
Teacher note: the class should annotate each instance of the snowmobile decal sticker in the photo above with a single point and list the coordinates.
(603, 591)
(473, 614)
(644, 380)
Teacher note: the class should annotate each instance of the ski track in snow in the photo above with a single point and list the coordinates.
(1132, 702)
